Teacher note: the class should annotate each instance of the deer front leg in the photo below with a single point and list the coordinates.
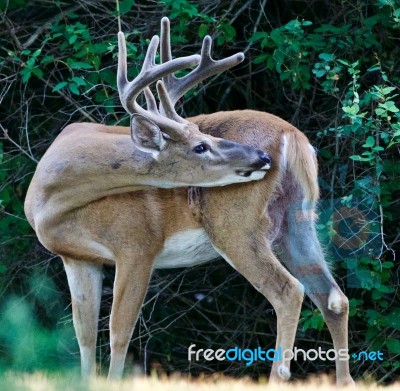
(85, 282)
(253, 258)
(130, 286)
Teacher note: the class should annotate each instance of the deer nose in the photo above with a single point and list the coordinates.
(264, 157)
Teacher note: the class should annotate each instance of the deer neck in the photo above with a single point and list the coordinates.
(86, 167)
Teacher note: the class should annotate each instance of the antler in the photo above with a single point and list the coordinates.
(207, 67)
(151, 72)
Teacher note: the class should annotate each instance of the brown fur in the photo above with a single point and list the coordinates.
(242, 221)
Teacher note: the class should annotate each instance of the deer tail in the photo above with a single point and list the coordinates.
(302, 162)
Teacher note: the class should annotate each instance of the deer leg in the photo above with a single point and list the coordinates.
(85, 283)
(252, 256)
(302, 254)
(130, 286)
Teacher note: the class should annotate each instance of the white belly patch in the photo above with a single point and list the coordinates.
(186, 248)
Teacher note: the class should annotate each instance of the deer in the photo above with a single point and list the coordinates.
(189, 191)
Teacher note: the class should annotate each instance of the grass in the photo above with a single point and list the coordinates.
(43, 382)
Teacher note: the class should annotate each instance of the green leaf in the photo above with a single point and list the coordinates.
(387, 90)
(109, 105)
(31, 62)
(351, 110)
(59, 86)
(100, 48)
(260, 59)
(374, 68)
(327, 57)
(125, 6)
(380, 112)
(74, 88)
(108, 76)
(344, 62)
(319, 73)
(26, 75)
(79, 81)
(292, 25)
(317, 321)
(207, 18)
(393, 319)
(385, 289)
(358, 158)
(80, 65)
(325, 153)
(354, 306)
(258, 35)
(72, 39)
(37, 72)
(37, 53)
(203, 29)
(47, 59)
(277, 36)
(369, 142)
(393, 345)
(390, 106)
(100, 96)
(306, 324)
(96, 61)
(229, 31)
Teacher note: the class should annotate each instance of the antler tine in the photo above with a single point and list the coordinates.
(122, 73)
(165, 49)
(207, 67)
(149, 59)
(150, 100)
(151, 72)
(165, 101)
(167, 105)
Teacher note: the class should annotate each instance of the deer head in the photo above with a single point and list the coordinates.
(180, 149)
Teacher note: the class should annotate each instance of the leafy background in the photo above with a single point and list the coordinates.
(328, 67)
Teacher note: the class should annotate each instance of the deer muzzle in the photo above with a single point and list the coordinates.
(245, 159)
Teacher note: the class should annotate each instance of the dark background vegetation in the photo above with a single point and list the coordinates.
(328, 67)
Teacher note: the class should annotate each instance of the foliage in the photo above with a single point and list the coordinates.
(330, 68)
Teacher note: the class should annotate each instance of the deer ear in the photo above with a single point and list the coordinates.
(146, 134)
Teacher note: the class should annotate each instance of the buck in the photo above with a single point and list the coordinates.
(95, 199)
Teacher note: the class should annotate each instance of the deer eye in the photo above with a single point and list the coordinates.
(201, 148)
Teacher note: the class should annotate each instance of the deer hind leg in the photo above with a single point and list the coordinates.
(85, 284)
(132, 278)
(252, 256)
(302, 254)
